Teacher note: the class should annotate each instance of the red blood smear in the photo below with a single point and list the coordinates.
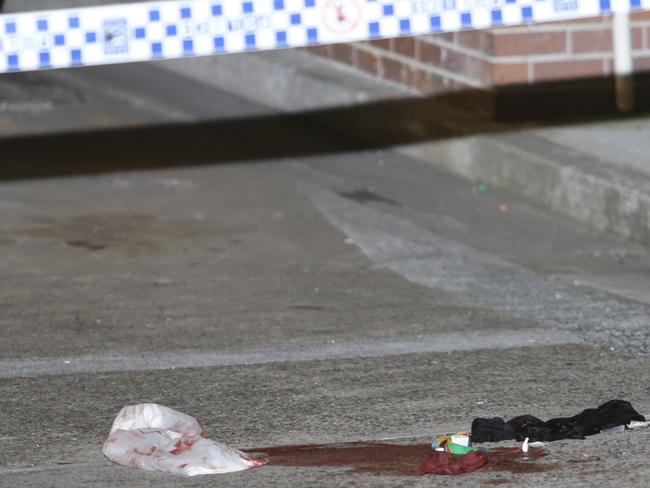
(446, 463)
(368, 458)
(390, 459)
(514, 460)
(182, 446)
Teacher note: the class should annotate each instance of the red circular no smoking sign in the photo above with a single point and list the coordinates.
(341, 16)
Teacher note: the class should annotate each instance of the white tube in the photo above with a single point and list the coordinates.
(623, 68)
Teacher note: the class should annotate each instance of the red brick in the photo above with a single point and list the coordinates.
(392, 70)
(466, 65)
(608, 69)
(404, 46)
(422, 81)
(637, 38)
(595, 21)
(642, 64)
(319, 50)
(443, 36)
(380, 43)
(473, 39)
(366, 61)
(640, 16)
(342, 53)
(590, 41)
(427, 83)
(529, 43)
(429, 53)
(557, 70)
(509, 73)
(414, 77)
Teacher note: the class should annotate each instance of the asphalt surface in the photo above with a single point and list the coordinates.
(325, 294)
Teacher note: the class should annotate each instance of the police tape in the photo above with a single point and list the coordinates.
(174, 29)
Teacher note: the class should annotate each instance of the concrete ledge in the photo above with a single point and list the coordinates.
(611, 206)
(286, 80)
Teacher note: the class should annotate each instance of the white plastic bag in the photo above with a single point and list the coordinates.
(157, 438)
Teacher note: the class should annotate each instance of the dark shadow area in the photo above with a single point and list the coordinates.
(373, 125)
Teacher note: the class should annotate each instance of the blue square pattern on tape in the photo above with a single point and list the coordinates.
(178, 25)
(44, 59)
(251, 42)
(176, 28)
(219, 44)
(76, 57)
(13, 62)
(156, 50)
(466, 20)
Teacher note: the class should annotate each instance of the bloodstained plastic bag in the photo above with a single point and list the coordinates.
(156, 438)
(450, 464)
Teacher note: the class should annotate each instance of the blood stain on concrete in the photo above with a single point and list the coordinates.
(392, 459)
(514, 460)
(367, 458)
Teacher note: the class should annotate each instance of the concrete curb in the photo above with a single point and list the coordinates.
(605, 197)
(612, 205)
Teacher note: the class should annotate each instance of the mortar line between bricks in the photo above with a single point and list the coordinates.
(423, 66)
(566, 55)
(391, 346)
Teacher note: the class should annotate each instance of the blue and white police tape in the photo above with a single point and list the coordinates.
(174, 29)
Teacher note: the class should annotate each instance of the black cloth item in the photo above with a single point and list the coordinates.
(491, 430)
(589, 422)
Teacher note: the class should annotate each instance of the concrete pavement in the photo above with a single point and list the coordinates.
(328, 294)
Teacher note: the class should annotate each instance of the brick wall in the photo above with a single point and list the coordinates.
(495, 58)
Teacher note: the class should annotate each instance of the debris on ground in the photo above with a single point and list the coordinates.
(157, 438)
(458, 443)
(455, 454)
(612, 414)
